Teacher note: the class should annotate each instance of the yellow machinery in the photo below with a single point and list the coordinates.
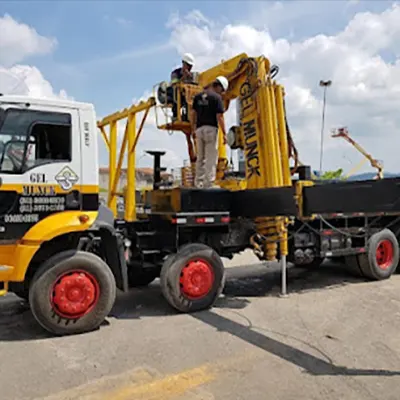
(262, 134)
(128, 147)
(183, 232)
(344, 133)
(57, 238)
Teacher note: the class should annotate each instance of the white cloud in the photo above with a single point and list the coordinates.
(19, 41)
(27, 80)
(365, 95)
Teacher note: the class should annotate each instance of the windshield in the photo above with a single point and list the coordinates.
(21, 132)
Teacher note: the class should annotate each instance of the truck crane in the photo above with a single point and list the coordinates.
(67, 254)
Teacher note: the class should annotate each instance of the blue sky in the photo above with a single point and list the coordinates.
(110, 52)
(107, 50)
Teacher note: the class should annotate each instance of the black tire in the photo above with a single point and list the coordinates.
(353, 266)
(43, 284)
(139, 277)
(382, 266)
(169, 261)
(171, 273)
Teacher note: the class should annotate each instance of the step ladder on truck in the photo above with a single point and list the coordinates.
(67, 254)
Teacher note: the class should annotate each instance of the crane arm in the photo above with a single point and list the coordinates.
(356, 168)
(263, 133)
(343, 133)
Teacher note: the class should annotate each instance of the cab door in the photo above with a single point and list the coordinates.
(40, 167)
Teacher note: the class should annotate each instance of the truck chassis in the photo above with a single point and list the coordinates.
(224, 225)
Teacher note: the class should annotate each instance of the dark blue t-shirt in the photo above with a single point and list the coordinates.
(176, 74)
(207, 105)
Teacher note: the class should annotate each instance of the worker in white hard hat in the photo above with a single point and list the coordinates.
(207, 116)
(182, 74)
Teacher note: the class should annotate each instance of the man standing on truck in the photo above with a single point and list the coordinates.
(207, 115)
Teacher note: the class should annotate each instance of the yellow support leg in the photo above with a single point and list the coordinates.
(130, 200)
(284, 148)
(112, 199)
(222, 157)
(4, 291)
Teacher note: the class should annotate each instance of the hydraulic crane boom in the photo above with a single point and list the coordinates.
(344, 133)
(262, 134)
(356, 168)
(261, 107)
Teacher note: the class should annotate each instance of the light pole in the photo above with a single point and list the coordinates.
(325, 85)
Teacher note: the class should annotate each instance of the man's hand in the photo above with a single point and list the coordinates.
(187, 75)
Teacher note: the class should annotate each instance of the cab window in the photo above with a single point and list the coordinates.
(31, 138)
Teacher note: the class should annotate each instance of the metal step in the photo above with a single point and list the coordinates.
(146, 233)
(147, 252)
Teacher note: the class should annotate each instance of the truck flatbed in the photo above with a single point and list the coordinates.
(329, 199)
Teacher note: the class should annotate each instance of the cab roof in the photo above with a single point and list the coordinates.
(44, 102)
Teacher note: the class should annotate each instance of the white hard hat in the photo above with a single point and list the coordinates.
(188, 58)
(223, 81)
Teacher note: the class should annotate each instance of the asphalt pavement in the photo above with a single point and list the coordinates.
(333, 337)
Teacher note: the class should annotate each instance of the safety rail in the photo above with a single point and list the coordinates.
(129, 143)
(181, 94)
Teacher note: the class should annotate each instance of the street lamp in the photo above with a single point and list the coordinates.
(325, 85)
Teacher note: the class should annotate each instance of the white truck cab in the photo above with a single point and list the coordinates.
(46, 140)
(55, 237)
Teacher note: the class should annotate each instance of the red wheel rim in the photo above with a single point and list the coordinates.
(75, 294)
(384, 254)
(197, 278)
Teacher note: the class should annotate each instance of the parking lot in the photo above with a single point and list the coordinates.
(334, 337)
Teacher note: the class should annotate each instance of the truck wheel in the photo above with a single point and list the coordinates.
(72, 292)
(382, 256)
(139, 277)
(193, 278)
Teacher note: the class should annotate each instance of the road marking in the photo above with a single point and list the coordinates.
(166, 388)
(148, 384)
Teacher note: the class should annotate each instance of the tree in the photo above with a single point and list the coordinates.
(333, 175)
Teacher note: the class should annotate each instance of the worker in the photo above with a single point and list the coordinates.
(181, 74)
(207, 115)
